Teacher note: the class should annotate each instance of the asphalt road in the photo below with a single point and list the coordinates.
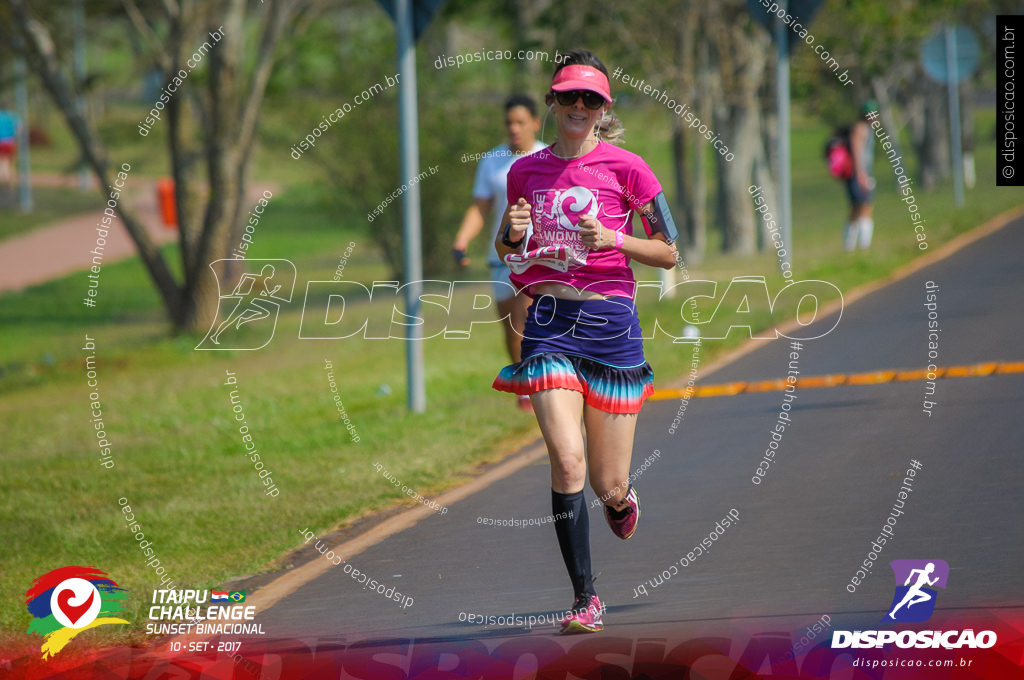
(802, 533)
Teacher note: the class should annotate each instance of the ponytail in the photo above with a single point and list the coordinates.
(610, 129)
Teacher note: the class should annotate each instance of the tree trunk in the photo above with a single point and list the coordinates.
(739, 57)
(885, 111)
(683, 203)
(682, 141)
(700, 164)
(201, 300)
(766, 160)
(42, 57)
(739, 126)
(228, 115)
(700, 207)
(931, 139)
(764, 178)
(531, 34)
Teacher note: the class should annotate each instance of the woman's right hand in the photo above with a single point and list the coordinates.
(519, 217)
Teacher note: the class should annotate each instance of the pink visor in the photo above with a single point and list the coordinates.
(579, 77)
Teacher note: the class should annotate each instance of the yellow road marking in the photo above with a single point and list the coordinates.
(830, 380)
(721, 390)
(833, 379)
(1010, 367)
(767, 385)
(873, 378)
(976, 369)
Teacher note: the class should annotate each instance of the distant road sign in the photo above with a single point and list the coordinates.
(801, 10)
(422, 12)
(967, 54)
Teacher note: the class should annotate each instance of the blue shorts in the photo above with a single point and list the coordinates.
(857, 194)
(606, 331)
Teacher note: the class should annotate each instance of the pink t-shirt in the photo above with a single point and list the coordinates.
(608, 183)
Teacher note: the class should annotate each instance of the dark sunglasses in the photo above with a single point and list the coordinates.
(591, 100)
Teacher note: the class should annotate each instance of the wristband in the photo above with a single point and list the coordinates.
(508, 242)
(620, 239)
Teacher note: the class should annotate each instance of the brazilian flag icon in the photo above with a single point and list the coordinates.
(237, 596)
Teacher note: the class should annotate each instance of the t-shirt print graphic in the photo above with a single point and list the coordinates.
(556, 217)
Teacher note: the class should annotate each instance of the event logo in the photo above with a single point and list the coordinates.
(572, 204)
(256, 299)
(181, 612)
(915, 602)
(66, 601)
(557, 214)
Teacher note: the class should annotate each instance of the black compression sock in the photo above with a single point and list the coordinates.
(572, 527)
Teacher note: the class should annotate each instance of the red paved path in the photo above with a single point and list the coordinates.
(51, 251)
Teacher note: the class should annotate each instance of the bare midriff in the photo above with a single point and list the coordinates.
(565, 292)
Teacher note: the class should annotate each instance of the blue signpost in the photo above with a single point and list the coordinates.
(411, 18)
(781, 32)
(950, 55)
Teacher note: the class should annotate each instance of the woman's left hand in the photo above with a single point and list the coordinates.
(595, 235)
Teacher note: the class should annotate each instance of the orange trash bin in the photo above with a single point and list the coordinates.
(165, 199)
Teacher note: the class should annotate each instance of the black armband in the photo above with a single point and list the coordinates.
(659, 220)
(507, 241)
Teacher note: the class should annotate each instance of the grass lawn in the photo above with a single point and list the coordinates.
(178, 454)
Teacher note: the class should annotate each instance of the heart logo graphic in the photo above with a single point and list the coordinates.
(574, 202)
(73, 612)
(68, 600)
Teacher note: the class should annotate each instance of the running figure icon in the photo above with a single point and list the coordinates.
(915, 595)
(254, 308)
(254, 302)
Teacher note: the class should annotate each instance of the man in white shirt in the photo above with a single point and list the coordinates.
(522, 125)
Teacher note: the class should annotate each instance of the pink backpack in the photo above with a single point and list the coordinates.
(839, 156)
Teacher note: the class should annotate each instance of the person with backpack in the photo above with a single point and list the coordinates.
(860, 185)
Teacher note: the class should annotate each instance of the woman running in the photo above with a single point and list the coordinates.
(567, 236)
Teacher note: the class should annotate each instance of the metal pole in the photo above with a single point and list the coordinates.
(782, 97)
(409, 150)
(954, 117)
(78, 57)
(21, 105)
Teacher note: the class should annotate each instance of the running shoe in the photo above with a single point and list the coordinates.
(585, 616)
(624, 526)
